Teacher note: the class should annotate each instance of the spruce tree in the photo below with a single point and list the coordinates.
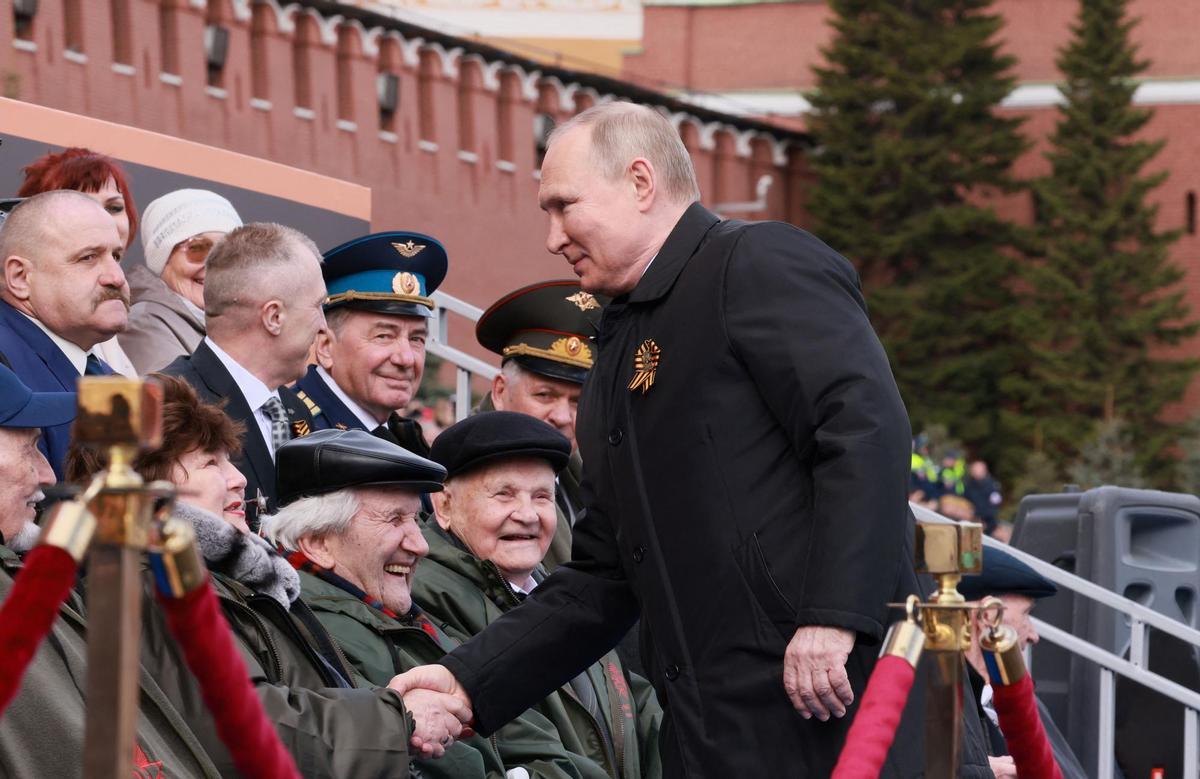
(1106, 289)
(909, 148)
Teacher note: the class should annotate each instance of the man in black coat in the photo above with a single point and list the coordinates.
(263, 296)
(746, 458)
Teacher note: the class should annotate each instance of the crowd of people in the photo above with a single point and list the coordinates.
(458, 609)
(964, 491)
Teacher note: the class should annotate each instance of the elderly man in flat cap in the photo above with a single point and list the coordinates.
(42, 732)
(494, 521)
(371, 358)
(350, 525)
(543, 334)
(1019, 588)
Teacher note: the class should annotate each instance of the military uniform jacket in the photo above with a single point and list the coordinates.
(757, 484)
(464, 595)
(212, 382)
(380, 647)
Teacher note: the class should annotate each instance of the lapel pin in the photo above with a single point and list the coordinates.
(645, 363)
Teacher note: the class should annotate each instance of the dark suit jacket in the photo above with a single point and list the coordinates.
(43, 367)
(759, 485)
(326, 408)
(205, 372)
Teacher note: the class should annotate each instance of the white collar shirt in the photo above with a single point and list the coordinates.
(253, 390)
(76, 354)
(369, 422)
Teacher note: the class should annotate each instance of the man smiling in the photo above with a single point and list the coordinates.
(371, 358)
(63, 293)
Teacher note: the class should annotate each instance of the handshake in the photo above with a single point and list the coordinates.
(440, 708)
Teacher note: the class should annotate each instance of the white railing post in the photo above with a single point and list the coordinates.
(1108, 724)
(1191, 744)
(1137, 642)
(462, 403)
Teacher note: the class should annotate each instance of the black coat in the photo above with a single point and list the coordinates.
(213, 383)
(758, 485)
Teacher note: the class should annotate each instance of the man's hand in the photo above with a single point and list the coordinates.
(442, 698)
(438, 719)
(1003, 767)
(814, 671)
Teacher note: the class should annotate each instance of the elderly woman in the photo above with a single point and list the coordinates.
(102, 179)
(494, 521)
(351, 526)
(179, 230)
(331, 727)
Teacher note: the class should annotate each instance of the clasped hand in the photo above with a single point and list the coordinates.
(814, 671)
(439, 706)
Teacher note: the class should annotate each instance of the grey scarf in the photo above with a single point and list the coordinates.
(248, 559)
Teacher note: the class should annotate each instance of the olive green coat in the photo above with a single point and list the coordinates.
(463, 595)
(41, 733)
(379, 647)
(330, 729)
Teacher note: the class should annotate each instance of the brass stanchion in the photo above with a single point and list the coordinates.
(121, 417)
(946, 551)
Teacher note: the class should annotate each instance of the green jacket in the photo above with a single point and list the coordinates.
(380, 647)
(41, 733)
(618, 730)
(330, 729)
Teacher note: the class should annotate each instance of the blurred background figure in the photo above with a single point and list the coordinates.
(102, 179)
(983, 491)
(179, 230)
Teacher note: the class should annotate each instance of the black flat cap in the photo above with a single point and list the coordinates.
(1004, 574)
(330, 460)
(497, 435)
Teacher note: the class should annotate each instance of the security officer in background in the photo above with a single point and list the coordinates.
(543, 334)
(371, 357)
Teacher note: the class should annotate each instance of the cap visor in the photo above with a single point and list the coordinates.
(44, 409)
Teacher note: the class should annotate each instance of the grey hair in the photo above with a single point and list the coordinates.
(252, 257)
(622, 132)
(320, 515)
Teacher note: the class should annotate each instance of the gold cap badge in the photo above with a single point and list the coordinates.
(408, 249)
(584, 300)
(404, 283)
(645, 363)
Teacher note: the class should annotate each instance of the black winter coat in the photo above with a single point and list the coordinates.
(758, 485)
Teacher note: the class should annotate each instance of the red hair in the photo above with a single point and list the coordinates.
(80, 169)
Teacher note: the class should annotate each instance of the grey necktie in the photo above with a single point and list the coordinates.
(281, 433)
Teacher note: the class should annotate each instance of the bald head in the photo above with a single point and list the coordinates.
(37, 221)
(61, 256)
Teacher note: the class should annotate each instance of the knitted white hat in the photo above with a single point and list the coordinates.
(177, 216)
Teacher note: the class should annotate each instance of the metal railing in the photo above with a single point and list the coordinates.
(1135, 668)
(466, 366)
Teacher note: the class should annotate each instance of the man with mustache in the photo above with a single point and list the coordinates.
(371, 356)
(63, 292)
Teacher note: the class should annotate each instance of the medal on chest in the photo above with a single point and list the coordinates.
(645, 363)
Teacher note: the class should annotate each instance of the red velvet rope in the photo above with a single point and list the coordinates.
(196, 621)
(29, 611)
(1023, 732)
(874, 727)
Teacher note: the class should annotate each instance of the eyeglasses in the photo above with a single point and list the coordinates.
(196, 247)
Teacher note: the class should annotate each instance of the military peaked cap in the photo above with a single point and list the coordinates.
(546, 327)
(498, 435)
(390, 273)
(331, 460)
(1004, 574)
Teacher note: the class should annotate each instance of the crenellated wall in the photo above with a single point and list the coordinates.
(457, 159)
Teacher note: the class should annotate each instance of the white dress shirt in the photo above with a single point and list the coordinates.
(253, 390)
(74, 352)
(368, 421)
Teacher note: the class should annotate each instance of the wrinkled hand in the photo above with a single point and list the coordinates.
(438, 719)
(814, 671)
(433, 690)
(1003, 767)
